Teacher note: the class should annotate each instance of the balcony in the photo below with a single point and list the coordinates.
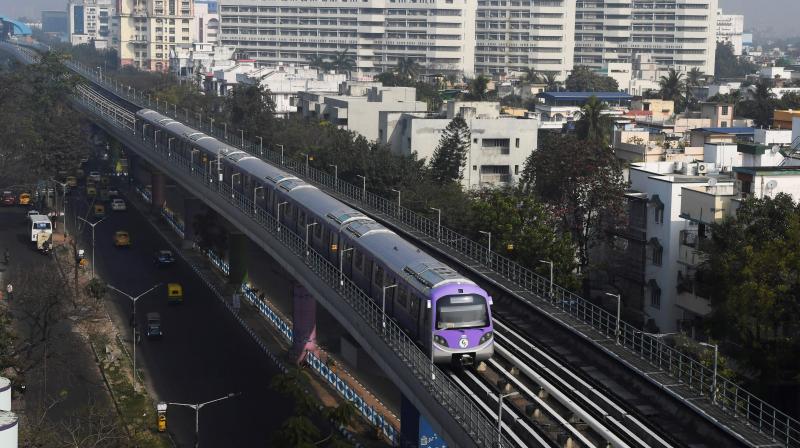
(495, 179)
(495, 150)
(691, 302)
(370, 29)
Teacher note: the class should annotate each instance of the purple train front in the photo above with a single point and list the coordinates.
(461, 323)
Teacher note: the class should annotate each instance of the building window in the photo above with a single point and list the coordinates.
(655, 294)
(658, 209)
(516, 143)
(723, 124)
(724, 111)
(656, 251)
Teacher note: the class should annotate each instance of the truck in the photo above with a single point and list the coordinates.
(40, 224)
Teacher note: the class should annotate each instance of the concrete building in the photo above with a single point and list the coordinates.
(285, 83)
(498, 148)
(93, 22)
(555, 109)
(150, 29)
(199, 60)
(518, 34)
(730, 29)
(55, 23)
(677, 33)
(439, 35)
(782, 119)
(358, 105)
(205, 29)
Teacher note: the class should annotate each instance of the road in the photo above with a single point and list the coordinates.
(204, 353)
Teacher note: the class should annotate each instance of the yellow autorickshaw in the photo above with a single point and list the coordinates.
(99, 210)
(174, 293)
(24, 199)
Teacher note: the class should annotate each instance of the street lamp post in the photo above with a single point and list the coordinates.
(500, 415)
(306, 154)
(63, 198)
(383, 305)
(134, 300)
(197, 408)
(260, 146)
(93, 224)
(169, 146)
(438, 223)
(242, 131)
(233, 189)
(255, 197)
(341, 265)
(551, 276)
(278, 220)
(211, 131)
(335, 176)
(489, 250)
(155, 137)
(619, 309)
(398, 199)
(191, 158)
(308, 226)
(225, 131)
(281, 154)
(714, 379)
(363, 187)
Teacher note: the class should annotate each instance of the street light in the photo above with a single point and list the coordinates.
(93, 224)
(63, 198)
(225, 131)
(398, 199)
(551, 276)
(341, 265)
(242, 131)
(383, 305)
(619, 309)
(134, 300)
(500, 398)
(335, 176)
(260, 146)
(255, 197)
(308, 226)
(197, 408)
(155, 137)
(489, 234)
(438, 223)
(307, 158)
(191, 158)
(233, 190)
(281, 153)
(279, 214)
(363, 187)
(714, 379)
(169, 146)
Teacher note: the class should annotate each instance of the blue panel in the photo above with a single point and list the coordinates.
(77, 19)
(415, 431)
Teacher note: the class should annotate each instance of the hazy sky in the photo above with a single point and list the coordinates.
(774, 17)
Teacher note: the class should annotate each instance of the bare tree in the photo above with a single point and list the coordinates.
(93, 426)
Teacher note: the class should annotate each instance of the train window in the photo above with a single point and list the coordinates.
(317, 231)
(401, 297)
(359, 260)
(377, 275)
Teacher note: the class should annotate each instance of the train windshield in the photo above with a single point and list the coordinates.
(463, 311)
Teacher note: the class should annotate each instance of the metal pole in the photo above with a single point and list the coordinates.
(281, 154)
(714, 381)
(489, 234)
(308, 226)
(383, 306)
(619, 309)
(261, 146)
(279, 215)
(225, 131)
(551, 276)
(438, 223)
(398, 199)
(500, 398)
(335, 176)
(92, 252)
(255, 198)
(242, 131)
(341, 265)
(197, 426)
(363, 187)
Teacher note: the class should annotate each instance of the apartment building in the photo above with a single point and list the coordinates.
(513, 35)
(439, 34)
(677, 33)
(150, 29)
(206, 22)
(730, 29)
(92, 21)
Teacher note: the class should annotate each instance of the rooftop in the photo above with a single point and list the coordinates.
(734, 131)
(583, 96)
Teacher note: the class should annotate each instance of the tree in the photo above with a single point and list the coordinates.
(762, 105)
(672, 88)
(478, 89)
(594, 125)
(552, 82)
(450, 156)
(584, 79)
(750, 277)
(581, 182)
(728, 65)
(407, 68)
(319, 62)
(343, 62)
(694, 77)
(531, 75)
(250, 107)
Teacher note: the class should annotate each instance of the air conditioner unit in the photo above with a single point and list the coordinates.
(702, 168)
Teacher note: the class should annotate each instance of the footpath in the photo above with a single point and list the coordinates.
(271, 330)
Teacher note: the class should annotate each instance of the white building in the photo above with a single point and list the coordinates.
(205, 24)
(438, 34)
(358, 105)
(678, 33)
(498, 148)
(285, 82)
(150, 29)
(730, 29)
(197, 59)
(518, 34)
(92, 22)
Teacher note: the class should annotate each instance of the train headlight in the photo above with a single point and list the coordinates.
(486, 336)
(440, 340)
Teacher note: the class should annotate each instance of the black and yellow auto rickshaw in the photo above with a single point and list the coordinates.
(174, 293)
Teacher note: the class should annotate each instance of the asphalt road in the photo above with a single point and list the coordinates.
(204, 353)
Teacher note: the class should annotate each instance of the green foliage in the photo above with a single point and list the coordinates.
(673, 87)
(210, 232)
(594, 125)
(479, 89)
(296, 432)
(450, 157)
(425, 91)
(250, 107)
(582, 183)
(96, 289)
(762, 105)
(407, 68)
(729, 65)
(584, 79)
(751, 278)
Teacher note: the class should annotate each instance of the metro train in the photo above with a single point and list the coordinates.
(448, 315)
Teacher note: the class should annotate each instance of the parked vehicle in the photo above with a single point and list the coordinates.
(94, 176)
(8, 198)
(72, 181)
(153, 328)
(40, 224)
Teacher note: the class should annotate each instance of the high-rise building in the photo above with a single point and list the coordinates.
(55, 22)
(730, 29)
(677, 33)
(513, 35)
(206, 22)
(149, 29)
(92, 21)
(438, 34)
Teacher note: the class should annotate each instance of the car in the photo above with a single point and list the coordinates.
(118, 205)
(72, 181)
(153, 328)
(164, 258)
(113, 191)
(8, 198)
(122, 238)
(94, 176)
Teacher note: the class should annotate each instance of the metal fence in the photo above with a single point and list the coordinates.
(729, 396)
(473, 421)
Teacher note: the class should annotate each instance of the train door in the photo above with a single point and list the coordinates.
(347, 259)
(331, 241)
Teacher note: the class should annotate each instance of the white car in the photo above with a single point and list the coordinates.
(94, 176)
(118, 205)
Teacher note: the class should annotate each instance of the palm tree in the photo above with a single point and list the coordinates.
(478, 88)
(551, 81)
(594, 125)
(343, 62)
(694, 77)
(672, 87)
(407, 68)
(531, 75)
